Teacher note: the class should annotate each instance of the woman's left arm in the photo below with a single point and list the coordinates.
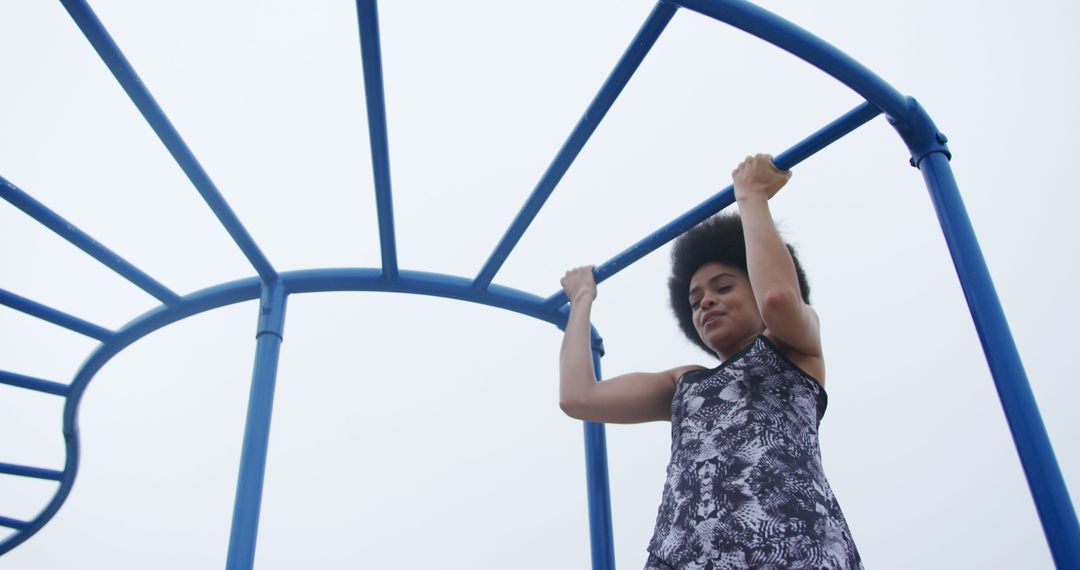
(769, 264)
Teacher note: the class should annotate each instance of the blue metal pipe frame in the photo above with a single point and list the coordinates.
(32, 472)
(60, 318)
(249, 485)
(30, 383)
(601, 534)
(125, 74)
(1044, 477)
(912, 123)
(586, 126)
(371, 51)
(65, 229)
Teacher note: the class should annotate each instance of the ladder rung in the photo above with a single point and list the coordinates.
(35, 472)
(12, 523)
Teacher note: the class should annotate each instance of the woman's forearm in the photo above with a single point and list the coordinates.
(576, 375)
(769, 265)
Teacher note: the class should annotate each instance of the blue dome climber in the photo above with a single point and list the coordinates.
(928, 152)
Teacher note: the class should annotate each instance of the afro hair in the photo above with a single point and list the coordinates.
(720, 239)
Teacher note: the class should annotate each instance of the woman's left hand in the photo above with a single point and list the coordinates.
(758, 178)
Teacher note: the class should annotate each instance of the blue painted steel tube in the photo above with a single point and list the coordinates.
(110, 53)
(33, 472)
(613, 86)
(13, 523)
(55, 317)
(81, 240)
(786, 160)
(601, 534)
(305, 281)
(371, 53)
(245, 523)
(30, 383)
(806, 46)
(1029, 434)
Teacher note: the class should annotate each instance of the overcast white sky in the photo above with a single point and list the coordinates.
(412, 432)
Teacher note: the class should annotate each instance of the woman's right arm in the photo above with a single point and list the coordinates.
(630, 398)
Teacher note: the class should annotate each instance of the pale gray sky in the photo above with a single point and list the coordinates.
(413, 432)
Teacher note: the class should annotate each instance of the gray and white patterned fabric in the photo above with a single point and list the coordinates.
(745, 487)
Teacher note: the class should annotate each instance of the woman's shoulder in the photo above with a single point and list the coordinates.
(689, 372)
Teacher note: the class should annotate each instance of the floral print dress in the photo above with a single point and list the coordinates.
(745, 487)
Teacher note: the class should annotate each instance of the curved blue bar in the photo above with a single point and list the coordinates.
(371, 54)
(1032, 442)
(613, 86)
(46, 313)
(65, 229)
(110, 53)
(67, 480)
(293, 282)
(787, 36)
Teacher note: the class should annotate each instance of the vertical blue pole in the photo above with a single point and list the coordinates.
(1029, 434)
(245, 523)
(596, 475)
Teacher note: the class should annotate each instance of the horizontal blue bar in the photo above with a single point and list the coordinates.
(81, 240)
(371, 54)
(35, 472)
(786, 160)
(55, 317)
(12, 523)
(20, 381)
(599, 107)
(110, 53)
(806, 46)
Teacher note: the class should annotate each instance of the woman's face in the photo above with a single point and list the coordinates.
(724, 311)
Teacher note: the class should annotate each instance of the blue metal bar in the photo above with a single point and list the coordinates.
(245, 523)
(55, 317)
(71, 468)
(81, 240)
(371, 54)
(306, 281)
(35, 472)
(110, 53)
(1029, 434)
(12, 523)
(786, 160)
(806, 46)
(20, 381)
(601, 534)
(611, 89)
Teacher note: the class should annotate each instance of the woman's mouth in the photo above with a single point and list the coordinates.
(710, 319)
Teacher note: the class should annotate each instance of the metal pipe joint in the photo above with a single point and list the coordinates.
(919, 133)
(272, 310)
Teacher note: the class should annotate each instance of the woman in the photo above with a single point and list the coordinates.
(745, 487)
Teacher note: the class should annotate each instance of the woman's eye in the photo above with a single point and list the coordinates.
(724, 289)
(695, 304)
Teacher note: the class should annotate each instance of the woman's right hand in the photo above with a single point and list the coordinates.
(579, 284)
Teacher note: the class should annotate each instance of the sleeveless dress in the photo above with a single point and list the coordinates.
(745, 487)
